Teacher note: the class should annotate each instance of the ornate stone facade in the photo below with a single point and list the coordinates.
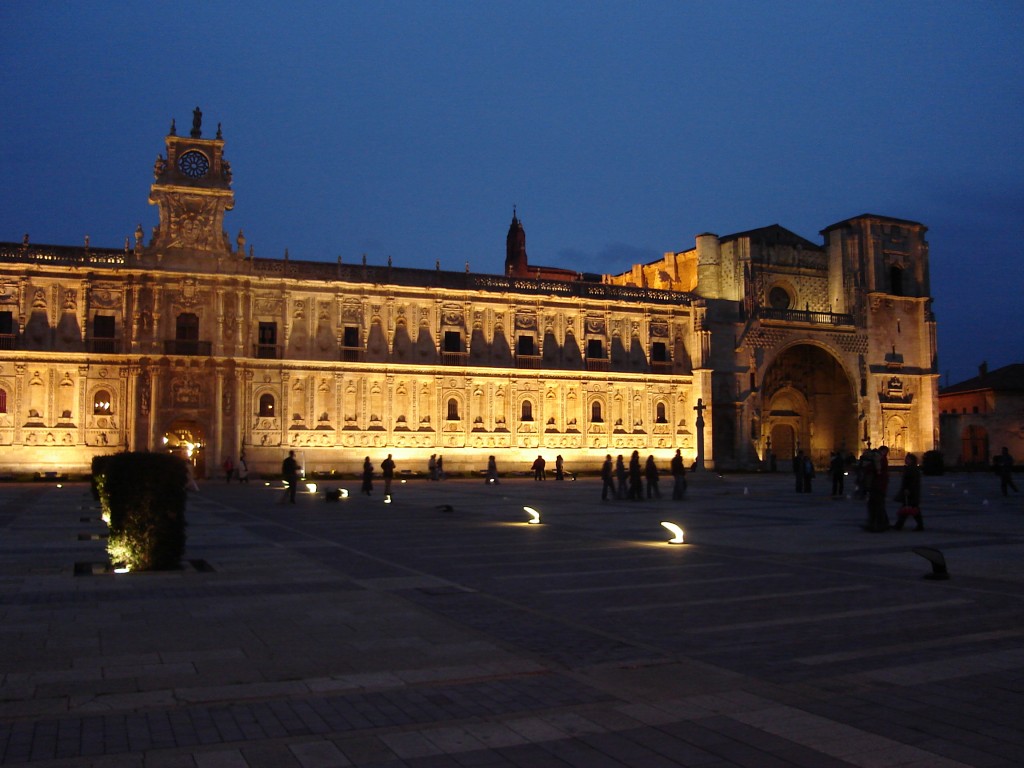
(186, 343)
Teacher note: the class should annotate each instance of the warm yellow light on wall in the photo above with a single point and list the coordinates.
(676, 531)
(534, 515)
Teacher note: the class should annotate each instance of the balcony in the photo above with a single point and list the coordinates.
(598, 364)
(803, 316)
(8, 340)
(352, 354)
(454, 358)
(190, 347)
(661, 366)
(103, 345)
(531, 362)
(267, 351)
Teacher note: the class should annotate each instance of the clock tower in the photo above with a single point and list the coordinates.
(192, 190)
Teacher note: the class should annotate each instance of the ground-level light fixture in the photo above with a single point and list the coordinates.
(311, 487)
(677, 532)
(534, 515)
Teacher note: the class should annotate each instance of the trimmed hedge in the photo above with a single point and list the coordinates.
(143, 499)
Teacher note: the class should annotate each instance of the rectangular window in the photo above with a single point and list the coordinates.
(351, 336)
(7, 334)
(595, 348)
(525, 345)
(659, 352)
(266, 346)
(452, 341)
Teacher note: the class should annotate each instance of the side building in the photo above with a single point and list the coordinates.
(190, 344)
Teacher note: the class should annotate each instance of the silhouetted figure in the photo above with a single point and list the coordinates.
(909, 494)
(559, 468)
(1004, 468)
(621, 475)
(607, 478)
(678, 476)
(635, 477)
(808, 473)
(538, 468)
(367, 487)
(875, 487)
(798, 471)
(492, 470)
(387, 472)
(837, 472)
(290, 470)
(651, 475)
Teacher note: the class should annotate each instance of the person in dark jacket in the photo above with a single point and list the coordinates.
(909, 495)
(607, 478)
(651, 475)
(367, 477)
(678, 476)
(635, 477)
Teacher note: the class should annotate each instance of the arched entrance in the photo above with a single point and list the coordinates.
(808, 404)
(187, 440)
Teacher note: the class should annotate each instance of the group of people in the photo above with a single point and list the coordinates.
(539, 468)
(620, 482)
(239, 471)
(872, 477)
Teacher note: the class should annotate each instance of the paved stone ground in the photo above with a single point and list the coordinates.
(372, 634)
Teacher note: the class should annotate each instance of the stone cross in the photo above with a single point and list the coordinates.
(700, 408)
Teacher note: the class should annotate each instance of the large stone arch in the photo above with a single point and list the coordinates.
(809, 403)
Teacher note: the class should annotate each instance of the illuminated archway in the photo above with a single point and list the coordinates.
(187, 440)
(809, 404)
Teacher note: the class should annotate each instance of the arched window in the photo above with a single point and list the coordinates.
(453, 410)
(595, 412)
(101, 403)
(267, 404)
(3, 401)
(527, 411)
(660, 414)
(186, 327)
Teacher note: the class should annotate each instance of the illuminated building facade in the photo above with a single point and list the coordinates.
(189, 343)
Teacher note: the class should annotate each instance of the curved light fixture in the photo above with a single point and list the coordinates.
(387, 499)
(534, 515)
(676, 531)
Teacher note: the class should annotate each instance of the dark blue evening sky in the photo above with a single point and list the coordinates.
(621, 130)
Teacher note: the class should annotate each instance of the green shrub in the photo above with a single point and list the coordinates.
(99, 464)
(144, 495)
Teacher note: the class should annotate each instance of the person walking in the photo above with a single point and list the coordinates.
(229, 469)
(607, 478)
(538, 468)
(492, 470)
(651, 475)
(808, 473)
(909, 495)
(243, 470)
(798, 471)
(837, 471)
(290, 471)
(432, 467)
(440, 468)
(367, 487)
(387, 471)
(635, 477)
(1004, 468)
(620, 475)
(875, 488)
(559, 468)
(678, 476)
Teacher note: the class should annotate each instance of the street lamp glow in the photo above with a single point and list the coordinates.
(676, 531)
(534, 515)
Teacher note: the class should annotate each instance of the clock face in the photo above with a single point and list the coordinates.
(193, 164)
